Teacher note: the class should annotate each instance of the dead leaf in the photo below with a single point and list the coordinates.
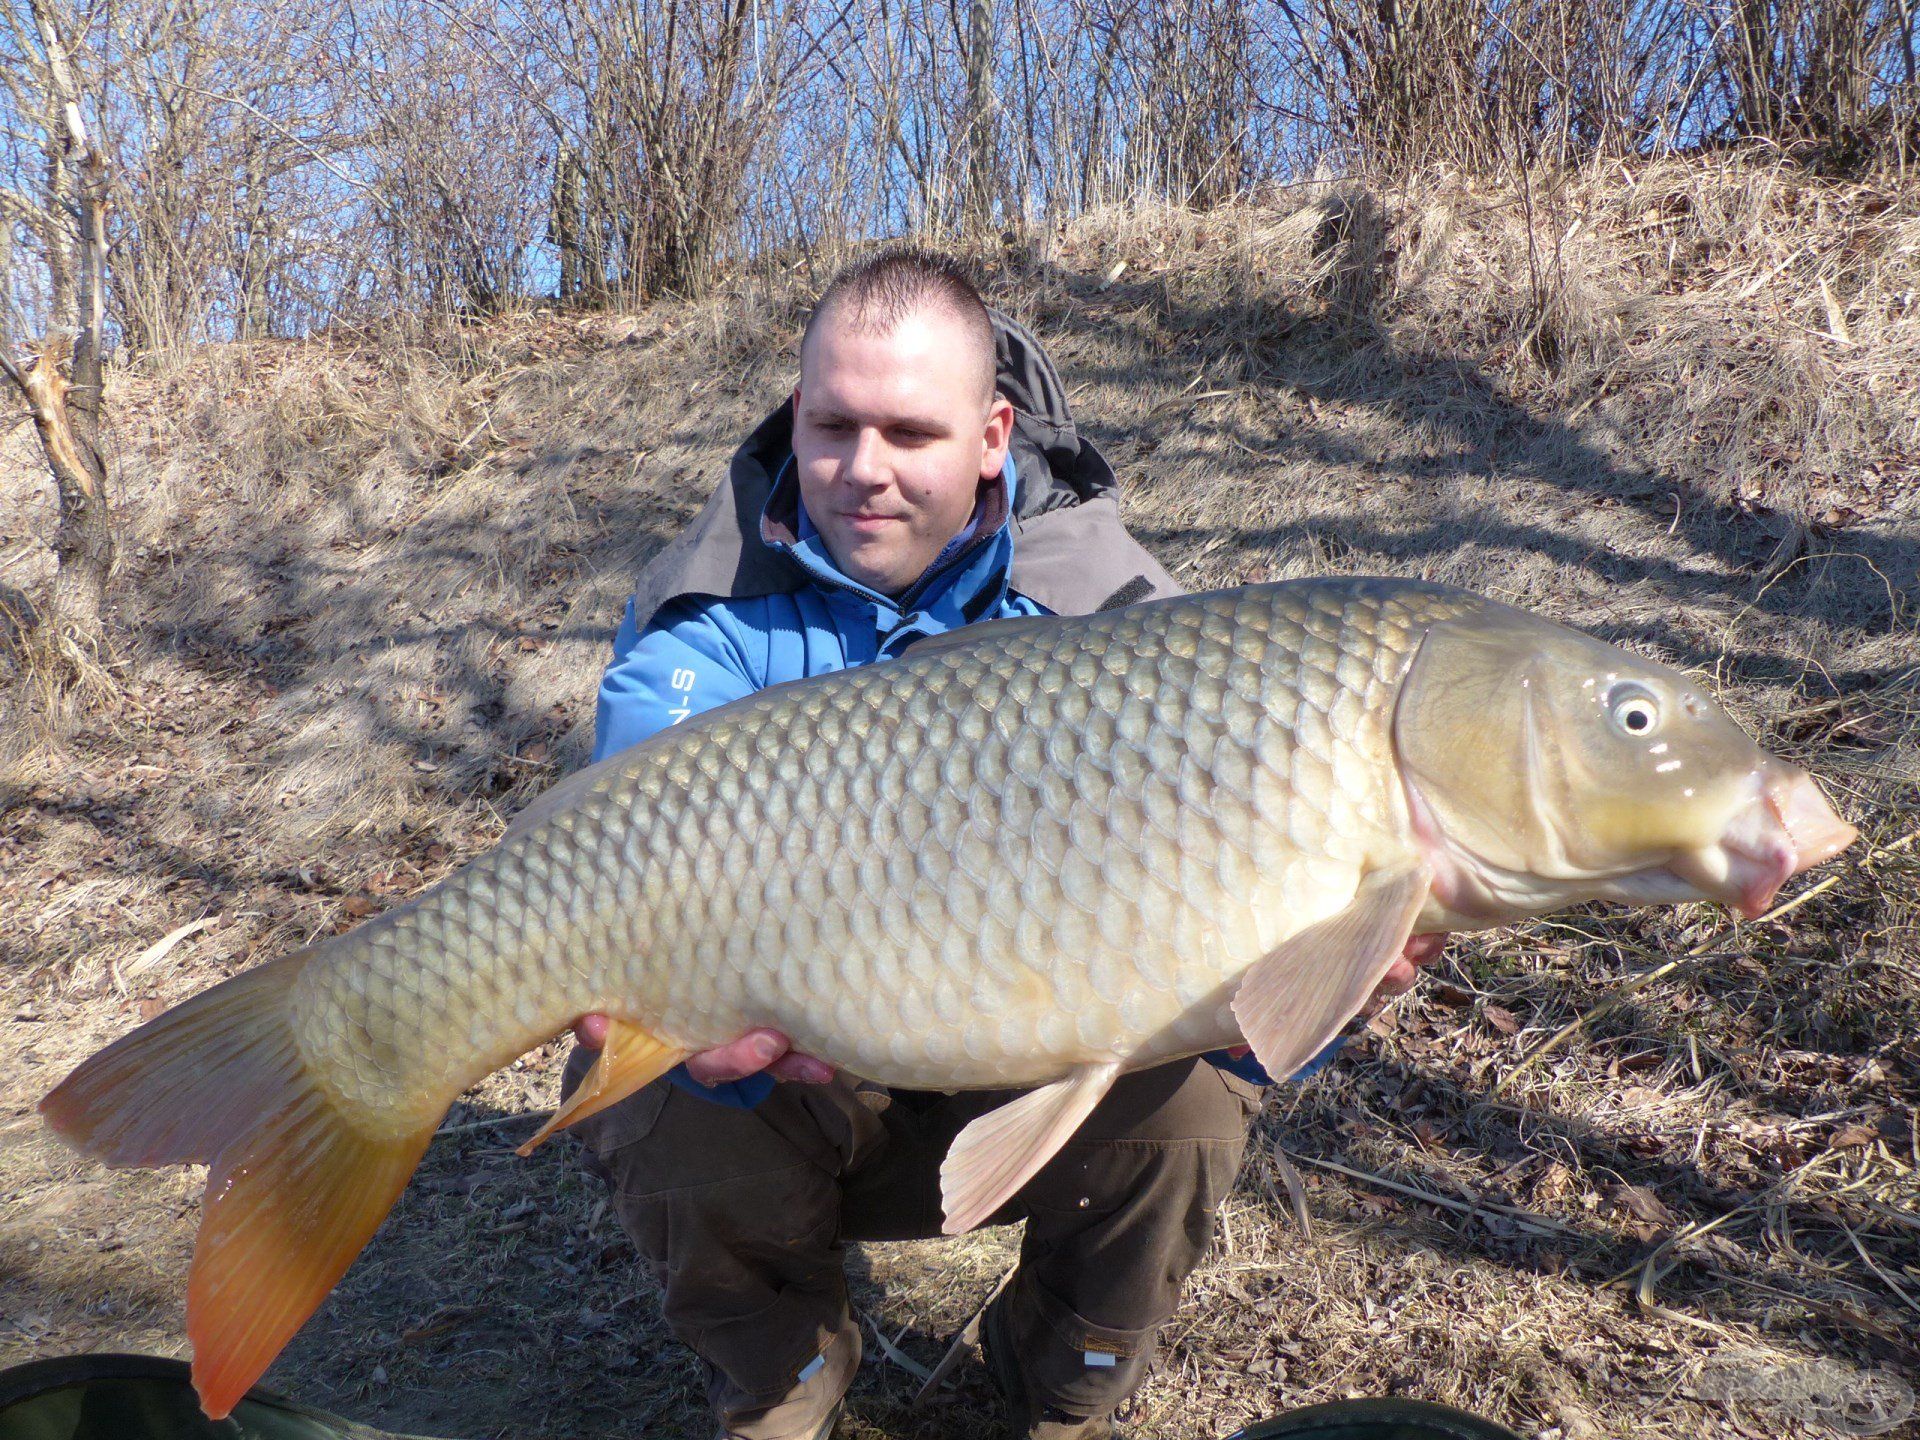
(1642, 1204)
(1554, 1183)
(1849, 1137)
(360, 906)
(1502, 1020)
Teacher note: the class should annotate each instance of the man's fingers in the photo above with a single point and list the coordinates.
(1398, 979)
(804, 1069)
(749, 1055)
(1404, 972)
(591, 1030)
(757, 1050)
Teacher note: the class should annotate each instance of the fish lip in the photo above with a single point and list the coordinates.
(1814, 828)
(1787, 827)
(1744, 876)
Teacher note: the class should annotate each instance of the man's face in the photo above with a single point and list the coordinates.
(892, 436)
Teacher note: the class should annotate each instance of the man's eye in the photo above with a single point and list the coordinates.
(832, 427)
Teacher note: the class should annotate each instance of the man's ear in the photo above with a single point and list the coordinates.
(999, 435)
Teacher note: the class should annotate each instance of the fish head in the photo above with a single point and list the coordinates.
(1542, 767)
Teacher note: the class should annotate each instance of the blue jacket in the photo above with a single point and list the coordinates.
(700, 651)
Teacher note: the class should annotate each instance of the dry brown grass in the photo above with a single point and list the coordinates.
(367, 591)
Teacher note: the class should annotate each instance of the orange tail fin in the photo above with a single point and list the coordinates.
(294, 1192)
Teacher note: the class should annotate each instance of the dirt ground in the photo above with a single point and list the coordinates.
(366, 588)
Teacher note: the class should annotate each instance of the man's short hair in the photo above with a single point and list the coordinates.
(879, 292)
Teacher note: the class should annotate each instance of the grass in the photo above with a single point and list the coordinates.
(367, 589)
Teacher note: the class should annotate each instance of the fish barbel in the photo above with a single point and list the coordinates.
(1032, 853)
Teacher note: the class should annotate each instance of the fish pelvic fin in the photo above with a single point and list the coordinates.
(1292, 1002)
(1001, 1150)
(295, 1189)
(632, 1057)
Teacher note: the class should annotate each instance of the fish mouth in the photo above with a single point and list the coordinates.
(1787, 827)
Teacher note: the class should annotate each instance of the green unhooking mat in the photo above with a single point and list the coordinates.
(142, 1397)
(1376, 1420)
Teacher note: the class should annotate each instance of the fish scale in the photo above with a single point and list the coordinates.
(1072, 836)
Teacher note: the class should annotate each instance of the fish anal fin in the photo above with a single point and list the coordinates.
(1000, 1151)
(1293, 1001)
(630, 1058)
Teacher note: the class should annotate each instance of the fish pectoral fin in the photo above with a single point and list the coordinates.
(1292, 1002)
(631, 1058)
(1003, 1149)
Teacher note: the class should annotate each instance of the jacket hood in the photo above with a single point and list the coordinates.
(1070, 552)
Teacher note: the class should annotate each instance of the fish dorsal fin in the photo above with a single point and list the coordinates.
(1292, 1002)
(988, 634)
(1003, 1149)
(632, 1057)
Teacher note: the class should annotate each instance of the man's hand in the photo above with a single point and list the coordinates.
(1421, 950)
(757, 1050)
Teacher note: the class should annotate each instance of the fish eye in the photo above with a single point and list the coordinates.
(1633, 712)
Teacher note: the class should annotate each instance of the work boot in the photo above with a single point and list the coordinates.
(808, 1411)
(822, 1431)
(998, 1350)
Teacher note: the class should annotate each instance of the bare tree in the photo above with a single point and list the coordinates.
(976, 211)
(62, 384)
(1815, 71)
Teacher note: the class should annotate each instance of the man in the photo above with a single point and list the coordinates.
(880, 506)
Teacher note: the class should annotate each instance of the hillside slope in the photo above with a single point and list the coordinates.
(367, 587)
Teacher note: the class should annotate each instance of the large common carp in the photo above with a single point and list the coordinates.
(1037, 852)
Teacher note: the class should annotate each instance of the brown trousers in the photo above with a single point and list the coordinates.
(744, 1215)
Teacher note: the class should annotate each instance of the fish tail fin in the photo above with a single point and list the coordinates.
(295, 1190)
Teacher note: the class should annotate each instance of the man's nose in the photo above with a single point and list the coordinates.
(867, 465)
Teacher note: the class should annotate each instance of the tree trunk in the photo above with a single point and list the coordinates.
(66, 411)
(977, 208)
(565, 228)
(83, 543)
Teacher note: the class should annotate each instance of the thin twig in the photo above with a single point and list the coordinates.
(494, 1124)
(897, 1356)
(1526, 1219)
(1874, 1266)
(969, 1333)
